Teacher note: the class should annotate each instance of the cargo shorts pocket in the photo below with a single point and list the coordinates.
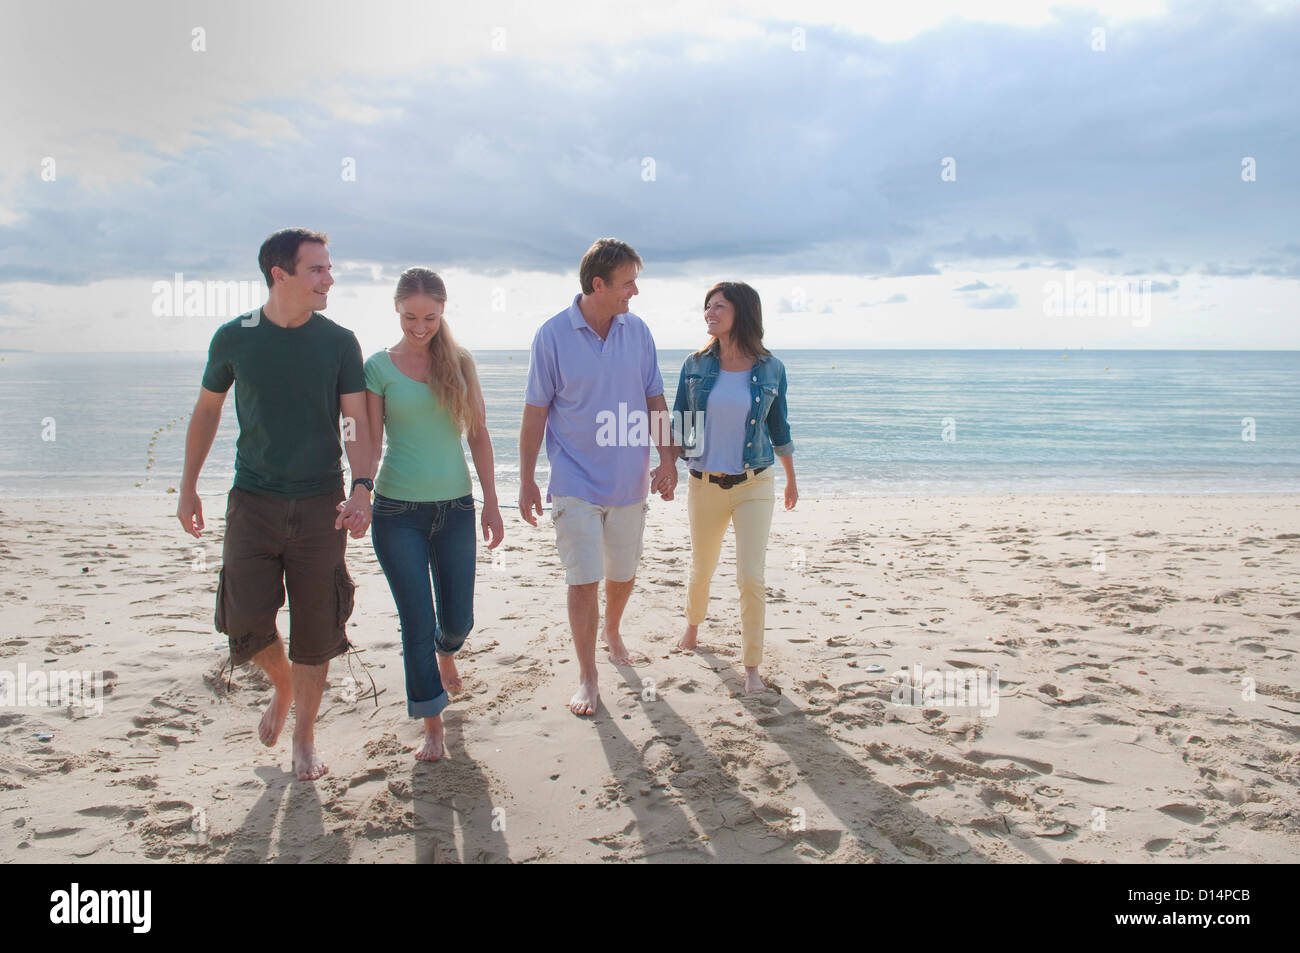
(219, 614)
(345, 591)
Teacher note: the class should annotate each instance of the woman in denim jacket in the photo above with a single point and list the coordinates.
(730, 418)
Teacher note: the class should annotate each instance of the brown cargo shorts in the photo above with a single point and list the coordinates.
(272, 544)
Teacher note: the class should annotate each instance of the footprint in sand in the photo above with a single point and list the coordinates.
(1187, 813)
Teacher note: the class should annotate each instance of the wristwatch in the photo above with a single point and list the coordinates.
(368, 483)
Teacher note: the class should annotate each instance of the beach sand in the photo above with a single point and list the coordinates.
(1126, 633)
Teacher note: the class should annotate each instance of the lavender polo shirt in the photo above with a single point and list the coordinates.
(582, 381)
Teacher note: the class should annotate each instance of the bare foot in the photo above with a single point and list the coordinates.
(688, 642)
(306, 766)
(753, 684)
(585, 699)
(433, 734)
(618, 653)
(273, 719)
(450, 677)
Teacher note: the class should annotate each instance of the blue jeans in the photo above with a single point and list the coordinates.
(416, 542)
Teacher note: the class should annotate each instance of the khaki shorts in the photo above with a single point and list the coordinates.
(273, 544)
(597, 542)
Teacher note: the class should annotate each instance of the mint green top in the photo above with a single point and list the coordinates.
(423, 459)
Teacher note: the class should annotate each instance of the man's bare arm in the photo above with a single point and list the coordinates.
(204, 422)
(355, 513)
(664, 478)
(360, 449)
(662, 436)
(531, 432)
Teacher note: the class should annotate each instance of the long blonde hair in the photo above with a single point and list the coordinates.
(453, 377)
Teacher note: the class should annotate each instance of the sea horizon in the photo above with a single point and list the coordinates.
(865, 422)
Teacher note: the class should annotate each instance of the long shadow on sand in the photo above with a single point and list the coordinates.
(739, 829)
(454, 793)
(302, 837)
(661, 822)
(882, 821)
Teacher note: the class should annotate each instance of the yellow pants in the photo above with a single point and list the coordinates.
(749, 506)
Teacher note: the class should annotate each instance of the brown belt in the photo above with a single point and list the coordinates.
(727, 480)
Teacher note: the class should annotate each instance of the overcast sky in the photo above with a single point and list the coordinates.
(886, 175)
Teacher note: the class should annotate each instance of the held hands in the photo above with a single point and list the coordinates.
(354, 514)
(663, 479)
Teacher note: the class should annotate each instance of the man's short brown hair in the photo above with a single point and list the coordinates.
(605, 255)
(281, 250)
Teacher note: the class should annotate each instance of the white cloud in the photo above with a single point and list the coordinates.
(821, 163)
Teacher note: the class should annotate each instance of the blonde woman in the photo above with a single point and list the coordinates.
(424, 391)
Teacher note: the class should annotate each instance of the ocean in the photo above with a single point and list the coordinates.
(863, 422)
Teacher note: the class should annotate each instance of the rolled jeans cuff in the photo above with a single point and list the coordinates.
(429, 709)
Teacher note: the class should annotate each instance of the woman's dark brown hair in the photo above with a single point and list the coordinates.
(747, 326)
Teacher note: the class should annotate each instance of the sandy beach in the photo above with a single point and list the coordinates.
(1144, 648)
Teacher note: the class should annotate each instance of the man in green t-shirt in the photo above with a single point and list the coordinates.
(294, 371)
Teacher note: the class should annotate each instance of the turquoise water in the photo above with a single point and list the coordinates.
(863, 422)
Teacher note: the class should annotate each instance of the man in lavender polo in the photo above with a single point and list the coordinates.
(593, 384)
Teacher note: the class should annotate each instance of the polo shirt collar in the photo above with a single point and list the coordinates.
(576, 318)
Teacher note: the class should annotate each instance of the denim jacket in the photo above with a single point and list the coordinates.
(766, 432)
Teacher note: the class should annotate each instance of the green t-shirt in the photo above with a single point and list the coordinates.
(288, 382)
(423, 459)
